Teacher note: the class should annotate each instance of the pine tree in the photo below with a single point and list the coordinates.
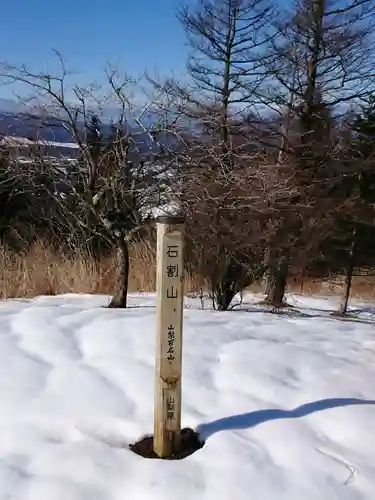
(94, 137)
(354, 237)
(364, 130)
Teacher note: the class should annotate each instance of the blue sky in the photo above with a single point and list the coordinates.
(134, 34)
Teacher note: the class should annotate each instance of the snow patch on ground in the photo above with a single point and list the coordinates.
(286, 402)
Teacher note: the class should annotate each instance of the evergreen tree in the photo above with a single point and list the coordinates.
(350, 247)
(364, 131)
(94, 137)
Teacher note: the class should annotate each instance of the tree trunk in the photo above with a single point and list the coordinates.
(268, 279)
(119, 299)
(268, 275)
(224, 299)
(277, 284)
(349, 275)
(224, 292)
(317, 12)
(227, 286)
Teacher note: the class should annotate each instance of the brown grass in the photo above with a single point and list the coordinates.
(42, 271)
(363, 287)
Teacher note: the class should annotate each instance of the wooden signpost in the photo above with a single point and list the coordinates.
(170, 295)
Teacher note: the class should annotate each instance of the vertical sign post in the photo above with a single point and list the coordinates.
(170, 295)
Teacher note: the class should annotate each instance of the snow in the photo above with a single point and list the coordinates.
(14, 141)
(285, 402)
(168, 209)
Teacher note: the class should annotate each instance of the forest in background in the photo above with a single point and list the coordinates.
(267, 149)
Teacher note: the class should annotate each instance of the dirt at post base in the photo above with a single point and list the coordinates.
(190, 443)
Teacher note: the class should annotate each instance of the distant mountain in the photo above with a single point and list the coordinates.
(19, 124)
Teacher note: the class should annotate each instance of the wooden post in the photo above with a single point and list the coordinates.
(170, 296)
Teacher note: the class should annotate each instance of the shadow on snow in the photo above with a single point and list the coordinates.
(254, 418)
(315, 313)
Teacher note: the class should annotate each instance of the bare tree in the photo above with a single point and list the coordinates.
(321, 61)
(227, 211)
(223, 232)
(227, 39)
(117, 180)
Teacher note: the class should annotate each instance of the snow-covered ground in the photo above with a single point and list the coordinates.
(285, 402)
(13, 141)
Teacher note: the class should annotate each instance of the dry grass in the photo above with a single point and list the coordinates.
(363, 287)
(42, 271)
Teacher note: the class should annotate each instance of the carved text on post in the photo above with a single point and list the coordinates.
(171, 343)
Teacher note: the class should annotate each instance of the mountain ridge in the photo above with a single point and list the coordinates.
(22, 125)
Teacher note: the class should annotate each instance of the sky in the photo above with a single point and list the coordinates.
(133, 34)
